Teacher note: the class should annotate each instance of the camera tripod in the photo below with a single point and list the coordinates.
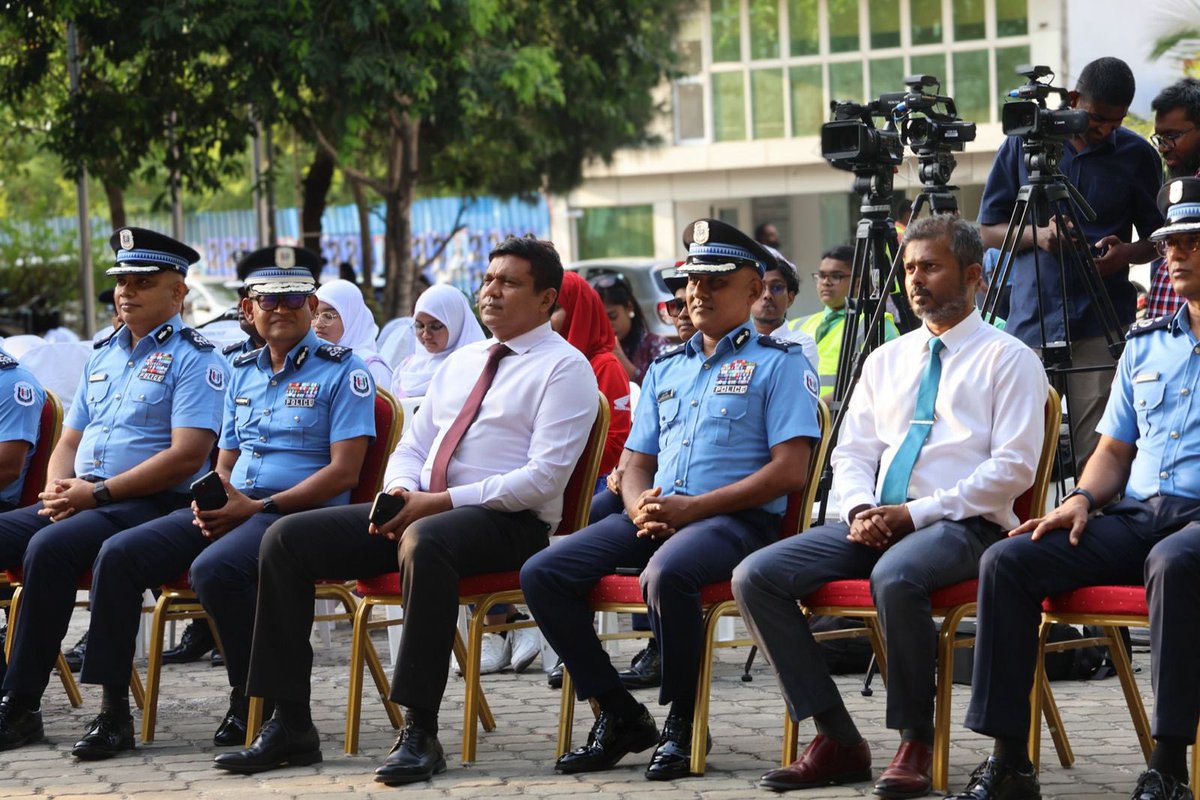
(1049, 196)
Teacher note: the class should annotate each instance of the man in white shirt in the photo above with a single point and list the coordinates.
(769, 312)
(482, 472)
(942, 434)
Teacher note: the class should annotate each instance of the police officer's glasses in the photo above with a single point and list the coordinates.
(830, 277)
(1164, 141)
(1183, 244)
(269, 302)
(669, 309)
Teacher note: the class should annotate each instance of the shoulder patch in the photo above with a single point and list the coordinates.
(786, 345)
(333, 352)
(674, 351)
(246, 359)
(1147, 325)
(195, 339)
(230, 349)
(7, 361)
(102, 342)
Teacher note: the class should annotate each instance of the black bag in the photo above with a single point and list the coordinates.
(849, 656)
(1076, 664)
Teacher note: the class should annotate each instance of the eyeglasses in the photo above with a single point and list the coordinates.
(269, 302)
(327, 317)
(830, 277)
(669, 309)
(432, 328)
(775, 288)
(1162, 140)
(1183, 244)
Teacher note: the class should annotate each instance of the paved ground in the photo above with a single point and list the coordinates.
(517, 759)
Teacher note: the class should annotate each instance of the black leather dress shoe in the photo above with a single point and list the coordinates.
(554, 678)
(19, 726)
(274, 747)
(232, 730)
(105, 737)
(195, 643)
(416, 756)
(610, 740)
(645, 671)
(75, 655)
(1155, 785)
(673, 757)
(993, 781)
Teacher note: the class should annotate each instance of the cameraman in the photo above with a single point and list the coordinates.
(1119, 174)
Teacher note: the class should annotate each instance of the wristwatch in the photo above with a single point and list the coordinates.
(270, 506)
(1091, 499)
(101, 494)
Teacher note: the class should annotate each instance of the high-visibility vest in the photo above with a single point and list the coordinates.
(829, 346)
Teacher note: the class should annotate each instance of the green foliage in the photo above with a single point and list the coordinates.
(36, 262)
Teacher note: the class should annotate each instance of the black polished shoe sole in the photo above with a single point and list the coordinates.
(400, 779)
(896, 794)
(93, 752)
(581, 765)
(294, 760)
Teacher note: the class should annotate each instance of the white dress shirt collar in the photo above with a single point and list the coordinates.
(954, 338)
(522, 343)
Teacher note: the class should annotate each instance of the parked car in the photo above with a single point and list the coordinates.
(644, 276)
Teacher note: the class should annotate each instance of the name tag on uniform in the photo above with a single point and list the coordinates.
(301, 395)
(241, 401)
(734, 377)
(156, 367)
(667, 395)
(1145, 377)
(96, 377)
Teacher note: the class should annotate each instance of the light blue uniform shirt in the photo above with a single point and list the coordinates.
(1153, 405)
(283, 423)
(131, 398)
(21, 401)
(713, 421)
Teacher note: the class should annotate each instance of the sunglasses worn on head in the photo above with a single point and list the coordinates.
(607, 281)
(269, 302)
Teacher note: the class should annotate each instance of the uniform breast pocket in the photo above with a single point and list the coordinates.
(243, 418)
(1147, 402)
(150, 403)
(303, 430)
(96, 394)
(723, 412)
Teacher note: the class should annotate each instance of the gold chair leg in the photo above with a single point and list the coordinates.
(704, 688)
(1133, 698)
(947, 639)
(1196, 760)
(158, 624)
(791, 736)
(254, 719)
(14, 606)
(485, 712)
(566, 713)
(1039, 690)
(877, 647)
(68, 681)
(135, 689)
(382, 687)
(1054, 724)
(359, 641)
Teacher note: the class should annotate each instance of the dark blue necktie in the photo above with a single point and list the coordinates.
(895, 483)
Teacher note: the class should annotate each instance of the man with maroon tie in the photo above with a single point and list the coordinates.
(482, 472)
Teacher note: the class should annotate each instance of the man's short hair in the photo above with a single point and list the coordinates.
(1185, 94)
(543, 259)
(1107, 80)
(961, 235)
(841, 252)
(761, 231)
(788, 273)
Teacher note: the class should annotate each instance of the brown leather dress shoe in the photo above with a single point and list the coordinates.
(909, 773)
(823, 762)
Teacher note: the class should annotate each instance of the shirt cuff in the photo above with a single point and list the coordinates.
(854, 501)
(924, 511)
(469, 495)
(400, 483)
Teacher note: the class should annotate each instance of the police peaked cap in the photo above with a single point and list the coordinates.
(1179, 201)
(282, 257)
(142, 251)
(717, 247)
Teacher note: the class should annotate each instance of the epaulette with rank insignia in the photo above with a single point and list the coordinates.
(230, 349)
(1147, 325)
(247, 359)
(7, 361)
(674, 351)
(195, 339)
(786, 345)
(333, 352)
(101, 342)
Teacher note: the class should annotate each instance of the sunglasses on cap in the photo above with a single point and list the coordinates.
(269, 302)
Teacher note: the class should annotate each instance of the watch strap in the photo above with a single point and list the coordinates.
(1091, 498)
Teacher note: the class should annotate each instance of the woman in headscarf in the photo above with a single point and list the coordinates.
(639, 346)
(343, 318)
(582, 320)
(443, 322)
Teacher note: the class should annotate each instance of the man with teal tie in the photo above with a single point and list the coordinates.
(942, 434)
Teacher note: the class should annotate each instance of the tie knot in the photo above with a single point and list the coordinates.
(936, 345)
(498, 351)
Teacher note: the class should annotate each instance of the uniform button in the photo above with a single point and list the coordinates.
(1164, 474)
(295, 419)
(267, 413)
(1184, 392)
(274, 382)
(686, 442)
(262, 438)
(724, 411)
(248, 481)
(141, 397)
(130, 364)
(96, 462)
(708, 366)
(1196, 349)
(1141, 402)
(1174, 434)
(258, 455)
(677, 481)
(105, 429)
(116, 397)
(694, 404)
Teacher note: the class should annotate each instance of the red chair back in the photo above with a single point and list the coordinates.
(577, 498)
(389, 419)
(49, 430)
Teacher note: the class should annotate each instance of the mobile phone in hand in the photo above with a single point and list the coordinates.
(385, 508)
(209, 493)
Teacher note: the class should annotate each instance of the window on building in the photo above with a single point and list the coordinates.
(691, 54)
(971, 85)
(1012, 18)
(846, 81)
(1007, 61)
(969, 20)
(726, 30)
(887, 75)
(884, 16)
(615, 231)
(766, 100)
(926, 24)
(804, 27)
(808, 100)
(689, 110)
(729, 106)
(933, 64)
(764, 29)
(843, 25)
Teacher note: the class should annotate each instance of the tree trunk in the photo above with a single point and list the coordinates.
(400, 294)
(365, 244)
(116, 203)
(316, 190)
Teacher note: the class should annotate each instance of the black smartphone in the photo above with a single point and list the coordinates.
(209, 493)
(385, 507)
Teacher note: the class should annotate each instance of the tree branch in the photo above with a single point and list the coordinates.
(458, 226)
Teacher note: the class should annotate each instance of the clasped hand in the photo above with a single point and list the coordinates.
(417, 505)
(880, 527)
(66, 496)
(220, 521)
(659, 517)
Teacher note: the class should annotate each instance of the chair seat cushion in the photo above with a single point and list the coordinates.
(627, 590)
(1123, 600)
(484, 583)
(856, 593)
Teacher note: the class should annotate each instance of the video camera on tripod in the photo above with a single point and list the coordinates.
(931, 128)
(1031, 118)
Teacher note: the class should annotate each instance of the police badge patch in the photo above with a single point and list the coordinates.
(700, 231)
(23, 393)
(301, 395)
(215, 378)
(360, 383)
(812, 384)
(734, 377)
(156, 367)
(285, 257)
(126, 238)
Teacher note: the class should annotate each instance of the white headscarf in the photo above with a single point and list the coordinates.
(450, 307)
(358, 325)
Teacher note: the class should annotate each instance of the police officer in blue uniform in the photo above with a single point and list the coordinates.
(197, 639)
(1149, 451)
(722, 434)
(140, 430)
(21, 401)
(299, 415)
